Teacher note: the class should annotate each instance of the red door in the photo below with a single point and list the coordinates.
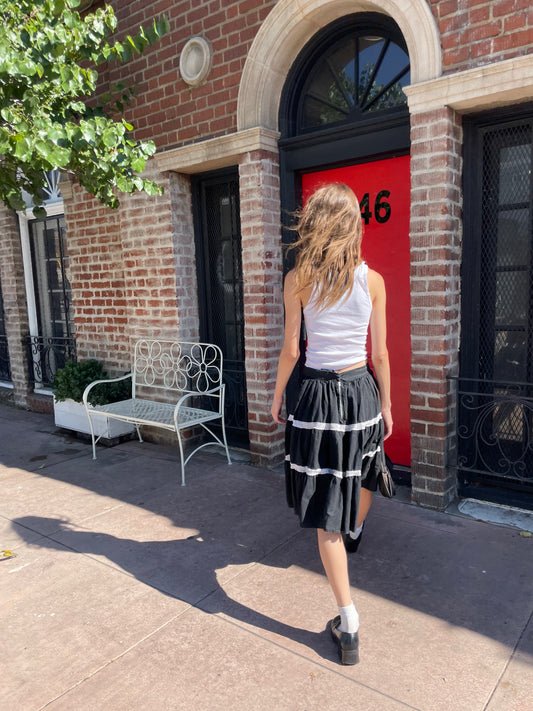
(383, 190)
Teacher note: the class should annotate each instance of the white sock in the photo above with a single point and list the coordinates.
(357, 533)
(349, 618)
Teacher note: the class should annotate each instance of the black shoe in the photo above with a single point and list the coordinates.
(347, 642)
(352, 544)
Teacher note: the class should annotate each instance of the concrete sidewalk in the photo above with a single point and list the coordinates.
(127, 591)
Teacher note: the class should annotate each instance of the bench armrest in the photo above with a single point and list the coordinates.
(211, 393)
(99, 382)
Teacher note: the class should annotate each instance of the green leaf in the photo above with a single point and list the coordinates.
(7, 115)
(27, 68)
(15, 201)
(161, 26)
(148, 148)
(109, 138)
(43, 148)
(151, 188)
(123, 184)
(23, 149)
(138, 165)
(88, 132)
(39, 213)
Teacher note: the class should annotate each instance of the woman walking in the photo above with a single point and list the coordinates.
(334, 436)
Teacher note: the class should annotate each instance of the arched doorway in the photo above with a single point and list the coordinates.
(344, 118)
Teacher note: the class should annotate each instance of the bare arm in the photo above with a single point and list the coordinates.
(380, 355)
(291, 349)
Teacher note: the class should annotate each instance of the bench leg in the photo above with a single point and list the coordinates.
(92, 435)
(182, 460)
(225, 440)
(138, 432)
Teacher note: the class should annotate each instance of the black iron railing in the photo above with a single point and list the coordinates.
(46, 356)
(5, 366)
(495, 432)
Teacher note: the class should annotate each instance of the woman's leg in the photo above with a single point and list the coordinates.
(365, 500)
(333, 554)
(352, 540)
(335, 562)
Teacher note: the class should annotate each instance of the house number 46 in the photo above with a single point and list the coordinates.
(382, 208)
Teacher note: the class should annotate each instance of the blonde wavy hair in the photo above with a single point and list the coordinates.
(329, 245)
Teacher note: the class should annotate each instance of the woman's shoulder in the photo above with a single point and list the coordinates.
(376, 283)
(373, 274)
(290, 274)
(290, 286)
(289, 283)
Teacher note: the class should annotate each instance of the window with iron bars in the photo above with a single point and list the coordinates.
(54, 342)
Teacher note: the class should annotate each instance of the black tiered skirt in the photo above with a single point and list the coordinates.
(332, 443)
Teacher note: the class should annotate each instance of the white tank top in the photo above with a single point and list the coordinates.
(336, 336)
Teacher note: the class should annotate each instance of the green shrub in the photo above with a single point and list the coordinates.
(71, 381)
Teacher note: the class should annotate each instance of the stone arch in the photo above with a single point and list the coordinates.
(291, 24)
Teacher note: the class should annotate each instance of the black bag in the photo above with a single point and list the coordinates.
(385, 482)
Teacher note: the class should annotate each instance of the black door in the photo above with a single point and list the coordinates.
(496, 383)
(220, 288)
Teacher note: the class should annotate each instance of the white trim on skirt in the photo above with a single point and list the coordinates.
(334, 426)
(333, 472)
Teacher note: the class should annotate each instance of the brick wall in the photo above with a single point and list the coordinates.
(436, 200)
(149, 263)
(263, 304)
(123, 273)
(476, 32)
(14, 296)
(96, 273)
(185, 258)
(168, 110)
(133, 275)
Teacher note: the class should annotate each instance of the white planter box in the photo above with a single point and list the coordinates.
(72, 416)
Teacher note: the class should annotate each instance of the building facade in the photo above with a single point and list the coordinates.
(424, 107)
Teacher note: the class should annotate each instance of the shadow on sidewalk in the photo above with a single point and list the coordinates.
(183, 568)
(467, 574)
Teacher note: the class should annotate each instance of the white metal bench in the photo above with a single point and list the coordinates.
(190, 374)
